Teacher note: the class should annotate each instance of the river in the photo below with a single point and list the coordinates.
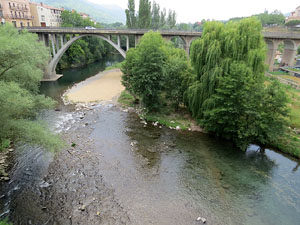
(123, 172)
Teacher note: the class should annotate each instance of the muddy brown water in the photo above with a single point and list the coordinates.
(122, 172)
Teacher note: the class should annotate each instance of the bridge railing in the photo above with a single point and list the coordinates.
(110, 29)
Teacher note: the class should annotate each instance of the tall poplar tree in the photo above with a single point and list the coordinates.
(130, 15)
(155, 24)
(144, 15)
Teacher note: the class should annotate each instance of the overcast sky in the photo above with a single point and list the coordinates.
(196, 10)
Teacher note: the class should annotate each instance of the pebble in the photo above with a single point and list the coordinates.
(201, 219)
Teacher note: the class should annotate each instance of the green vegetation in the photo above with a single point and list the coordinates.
(149, 17)
(266, 18)
(114, 66)
(229, 97)
(289, 141)
(154, 71)
(22, 60)
(5, 222)
(293, 23)
(226, 94)
(4, 144)
(278, 72)
(167, 116)
(294, 69)
(85, 50)
(126, 99)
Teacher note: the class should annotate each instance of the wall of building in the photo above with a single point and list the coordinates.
(16, 12)
(294, 15)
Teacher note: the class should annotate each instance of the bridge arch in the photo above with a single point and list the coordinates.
(51, 70)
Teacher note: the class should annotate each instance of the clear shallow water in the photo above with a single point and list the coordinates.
(169, 177)
(163, 176)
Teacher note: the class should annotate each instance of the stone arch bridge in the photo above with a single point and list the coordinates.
(60, 39)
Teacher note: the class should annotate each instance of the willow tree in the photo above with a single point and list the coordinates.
(229, 97)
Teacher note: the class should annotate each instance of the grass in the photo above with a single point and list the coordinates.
(294, 69)
(126, 99)
(4, 144)
(290, 141)
(173, 120)
(278, 73)
(5, 222)
(167, 116)
(114, 66)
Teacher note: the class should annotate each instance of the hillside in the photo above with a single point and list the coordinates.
(101, 13)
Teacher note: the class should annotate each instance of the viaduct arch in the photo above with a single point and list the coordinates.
(51, 68)
(51, 36)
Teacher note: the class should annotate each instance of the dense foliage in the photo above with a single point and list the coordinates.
(85, 50)
(229, 97)
(22, 59)
(266, 18)
(154, 71)
(293, 23)
(149, 16)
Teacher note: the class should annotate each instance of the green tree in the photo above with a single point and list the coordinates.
(293, 23)
(144, 68)
(86, 50)
(229, 97)
(144, 14)
(163, 18)
(155, 23)
(171, 20)
(177, 72)
(130, 15)
(22, 59)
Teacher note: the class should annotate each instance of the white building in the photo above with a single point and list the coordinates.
(45, 16)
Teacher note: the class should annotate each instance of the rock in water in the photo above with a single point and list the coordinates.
(201, 219)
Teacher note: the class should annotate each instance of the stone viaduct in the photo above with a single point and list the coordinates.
(60, 39)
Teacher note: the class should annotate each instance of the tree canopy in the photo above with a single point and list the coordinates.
(229, 97)
(85, 50)
(149, 16)
(155, 71)
(22, 60)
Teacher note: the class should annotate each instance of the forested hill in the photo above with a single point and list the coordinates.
(101, 13)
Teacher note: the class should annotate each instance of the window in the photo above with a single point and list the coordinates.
(1, 13)
(14, 23)
(19, 14)
(9, 5)
(28, 24)
(21, 24)
(43, 18)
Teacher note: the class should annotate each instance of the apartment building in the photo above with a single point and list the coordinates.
(45, 15)
(16, 12)
(294, 15)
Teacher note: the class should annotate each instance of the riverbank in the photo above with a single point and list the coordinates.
(105, 86)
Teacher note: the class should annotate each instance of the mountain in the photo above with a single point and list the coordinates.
(101, 13)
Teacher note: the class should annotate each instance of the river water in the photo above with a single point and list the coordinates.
(144, 174)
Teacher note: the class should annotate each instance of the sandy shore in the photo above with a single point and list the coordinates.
(105, 86)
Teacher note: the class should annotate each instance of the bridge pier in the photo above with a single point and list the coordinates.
(272, 48)
(290, 51)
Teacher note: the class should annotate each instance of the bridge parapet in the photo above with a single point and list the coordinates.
(59, 38)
